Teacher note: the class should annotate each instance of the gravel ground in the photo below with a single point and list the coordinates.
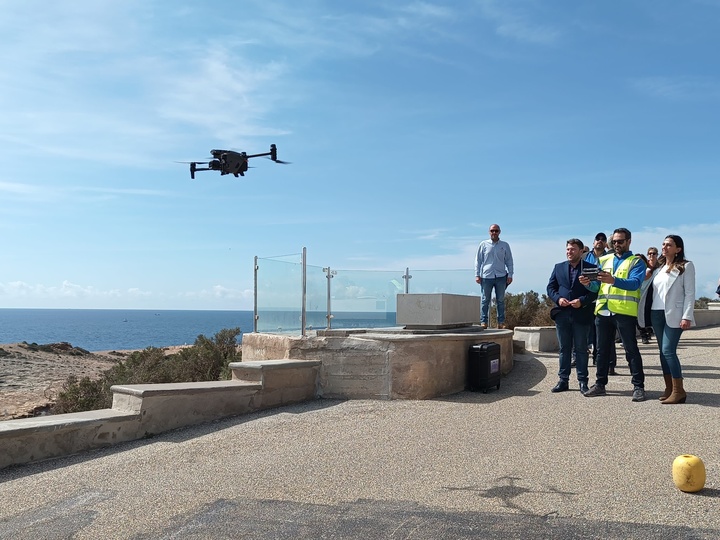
(519, 462)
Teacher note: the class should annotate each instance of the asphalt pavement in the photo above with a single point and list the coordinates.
(518, 462)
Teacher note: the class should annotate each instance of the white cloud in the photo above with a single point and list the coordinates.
(514, 22)
(677, 88)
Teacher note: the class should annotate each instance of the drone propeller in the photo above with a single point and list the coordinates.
(280, 161)
(195, 162)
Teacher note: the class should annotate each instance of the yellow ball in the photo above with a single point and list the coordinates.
(689, 473)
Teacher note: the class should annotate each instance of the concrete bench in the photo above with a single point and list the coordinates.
(163, 407)
(283, 381)
(43, 437)
(538, 338)
(140, 410)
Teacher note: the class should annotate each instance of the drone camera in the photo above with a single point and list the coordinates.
(273, 152)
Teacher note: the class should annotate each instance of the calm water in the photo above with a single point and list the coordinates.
(117, 329)
(108, 329)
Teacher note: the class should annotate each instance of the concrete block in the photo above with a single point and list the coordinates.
(707, 317)
(439, 310)
(538, 338)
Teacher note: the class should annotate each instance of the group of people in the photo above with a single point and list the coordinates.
(600, 294)
(617, 292)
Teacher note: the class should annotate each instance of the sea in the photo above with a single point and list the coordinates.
(118, 329)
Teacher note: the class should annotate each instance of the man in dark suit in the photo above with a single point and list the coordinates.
(573, 314)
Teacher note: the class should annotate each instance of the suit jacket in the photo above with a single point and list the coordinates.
(559, 286)
(680, 299)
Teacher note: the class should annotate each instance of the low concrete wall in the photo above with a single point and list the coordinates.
(34, 439)
(163, 407)
(283, 381)
(140, 410)
(384, 364)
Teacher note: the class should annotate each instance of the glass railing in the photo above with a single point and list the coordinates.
(278, 294)
(341, 299)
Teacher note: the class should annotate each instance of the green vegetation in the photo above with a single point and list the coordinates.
(524, 309)
(57, 348)
(206, 360)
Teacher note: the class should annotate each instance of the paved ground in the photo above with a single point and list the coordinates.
(519, 462)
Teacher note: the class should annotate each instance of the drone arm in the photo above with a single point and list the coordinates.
(259, 155)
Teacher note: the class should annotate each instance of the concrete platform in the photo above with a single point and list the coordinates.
(387, 363)
(519, 463)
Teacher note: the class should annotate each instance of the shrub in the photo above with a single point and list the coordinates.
(206, 360)
(524, 309)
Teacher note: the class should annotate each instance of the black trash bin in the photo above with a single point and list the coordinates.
(483, 368)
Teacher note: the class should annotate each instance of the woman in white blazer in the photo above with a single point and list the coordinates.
(673, 301)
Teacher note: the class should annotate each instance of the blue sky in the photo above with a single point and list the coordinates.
(411, 127)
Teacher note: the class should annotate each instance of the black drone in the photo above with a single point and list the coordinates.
(231, 162)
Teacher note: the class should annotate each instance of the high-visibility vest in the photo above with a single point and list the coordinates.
(613, 299)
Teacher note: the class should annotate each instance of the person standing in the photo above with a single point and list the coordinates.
(652, 264)
(593, 257)
(618, 284)
(672, 291)
(493, 270)
(573, 315)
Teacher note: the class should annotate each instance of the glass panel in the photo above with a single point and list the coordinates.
(316, 298)
(365, 298)
(444, 281)
(279, 294)
(359, 298)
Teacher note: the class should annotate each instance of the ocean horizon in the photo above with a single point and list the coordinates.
(117, 329)
(122, 329)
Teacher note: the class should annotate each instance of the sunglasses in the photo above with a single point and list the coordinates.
(619, 241)
(494, 230)
(652, 254)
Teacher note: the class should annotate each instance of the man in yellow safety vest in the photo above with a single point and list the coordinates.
(618, 285)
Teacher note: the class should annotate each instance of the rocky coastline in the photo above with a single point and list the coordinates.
(32, 375)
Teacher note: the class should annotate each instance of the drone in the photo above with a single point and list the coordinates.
(231, 162)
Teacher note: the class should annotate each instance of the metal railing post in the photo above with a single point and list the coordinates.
(255, 289)
(303, 314)
(329, 275)
(407, 277)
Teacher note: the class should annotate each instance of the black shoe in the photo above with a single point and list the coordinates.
(573, 364)
(583, 388)
(645, 340)
(561, 386)
(612, 371)
(638, 394)
(596, 389)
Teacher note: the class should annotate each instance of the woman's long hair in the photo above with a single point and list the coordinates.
(680, 259)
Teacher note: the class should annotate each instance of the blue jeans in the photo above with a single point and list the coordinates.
(487, 285)
(667, 339)
(606, 328)
(571, 334)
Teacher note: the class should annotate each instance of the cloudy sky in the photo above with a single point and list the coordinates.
(411, 127)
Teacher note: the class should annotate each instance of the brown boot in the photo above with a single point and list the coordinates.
(678, 393)
(668, 386)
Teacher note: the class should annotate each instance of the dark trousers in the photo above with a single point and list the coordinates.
(606, 327)
(572, 337)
